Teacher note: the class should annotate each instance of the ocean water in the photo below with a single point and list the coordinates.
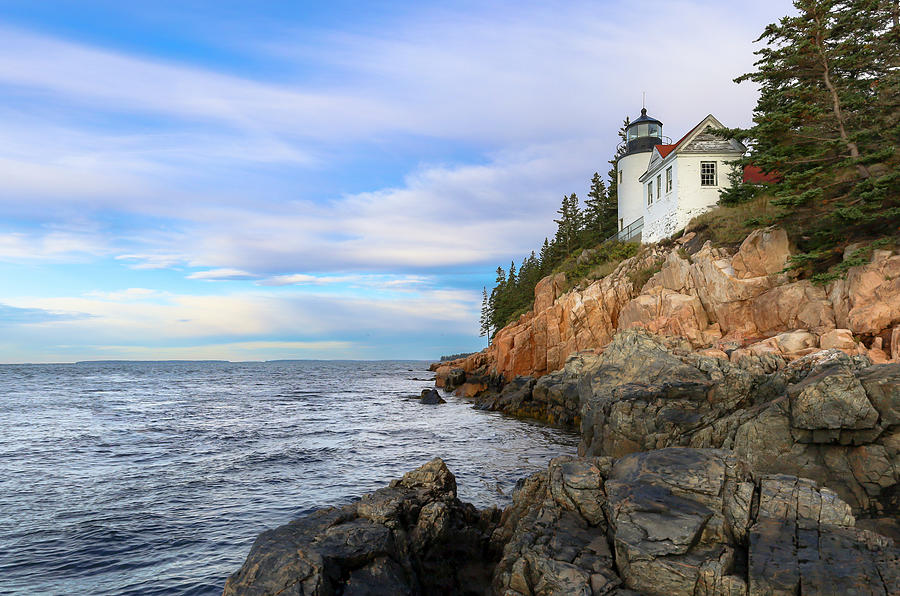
(155, 478)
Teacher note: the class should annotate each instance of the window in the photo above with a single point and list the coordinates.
(621, 224)
(650, 192)
(707, 173)
(669, 179)
(620, 176)
(659, 184)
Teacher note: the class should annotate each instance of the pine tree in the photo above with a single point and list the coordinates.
(546, 257)
(612, 192)
(485, 314)
(569, 223)
(497, 302)
(828, 123)
(599, 212)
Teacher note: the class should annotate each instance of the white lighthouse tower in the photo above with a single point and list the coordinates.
(641, 136)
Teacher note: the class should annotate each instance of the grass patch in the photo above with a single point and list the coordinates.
(728, 225)
(603, 260)
(640, 277)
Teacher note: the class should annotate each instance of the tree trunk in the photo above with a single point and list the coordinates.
(835, 99)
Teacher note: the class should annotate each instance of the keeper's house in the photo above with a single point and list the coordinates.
(662, 185)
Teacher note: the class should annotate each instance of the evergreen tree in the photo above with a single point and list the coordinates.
(599, 212)
(485, 314)
(546, 257)
(827, 122)
(612, 193)
(497, 302)
(569, 223)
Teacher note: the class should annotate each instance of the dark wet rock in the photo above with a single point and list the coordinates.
(684, 522)
(554, 398)
(412, 537)
(826, 416)
(431, 397)
(455, 378)
(515, 399)
(669, 522)
(642, 395)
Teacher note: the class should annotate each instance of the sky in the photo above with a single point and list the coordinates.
(278, 180)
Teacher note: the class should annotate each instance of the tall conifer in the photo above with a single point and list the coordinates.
(828, 122)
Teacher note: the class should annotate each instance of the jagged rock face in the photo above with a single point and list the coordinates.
(710, 298)
(640, 395)
(826, 416)
(684, 522)
(413, 537)
(670, 522)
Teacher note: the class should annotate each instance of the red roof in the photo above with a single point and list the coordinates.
(664, 150)
(755, 175)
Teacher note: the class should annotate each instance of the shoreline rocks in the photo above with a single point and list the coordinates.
(411, 537)
(669, 522)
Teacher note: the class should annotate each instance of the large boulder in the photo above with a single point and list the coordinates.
(431, 397)
(412, 537)
(867, 301)
(763, 252)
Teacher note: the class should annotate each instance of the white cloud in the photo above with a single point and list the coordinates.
(402, 282)
(253, 316)
(127, 294)
(233, 351)
(221, 275)
(152, 261)
(56, 246)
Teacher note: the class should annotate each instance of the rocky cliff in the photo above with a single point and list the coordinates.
(740, 435)
(733, 302)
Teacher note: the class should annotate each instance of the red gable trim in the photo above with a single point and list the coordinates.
(664, 150)
(755, 175)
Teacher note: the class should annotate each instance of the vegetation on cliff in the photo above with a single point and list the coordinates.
(827, 122)
(827, 125)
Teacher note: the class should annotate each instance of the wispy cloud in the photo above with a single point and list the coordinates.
(221, 275)
(152, 261)
(127, 294)
(369, 281)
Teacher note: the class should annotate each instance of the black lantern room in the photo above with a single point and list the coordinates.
(643, 134)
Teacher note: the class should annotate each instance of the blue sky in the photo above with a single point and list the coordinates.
(270, 180)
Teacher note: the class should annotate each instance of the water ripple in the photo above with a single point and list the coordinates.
(154, 478)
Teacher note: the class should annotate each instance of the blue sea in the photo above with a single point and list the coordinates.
(155, 477)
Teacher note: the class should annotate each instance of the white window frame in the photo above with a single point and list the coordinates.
(704, 176)
(669, 179)
(659, 185)
(650, 192)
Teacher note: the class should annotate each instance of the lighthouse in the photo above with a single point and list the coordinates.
(641, 136)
